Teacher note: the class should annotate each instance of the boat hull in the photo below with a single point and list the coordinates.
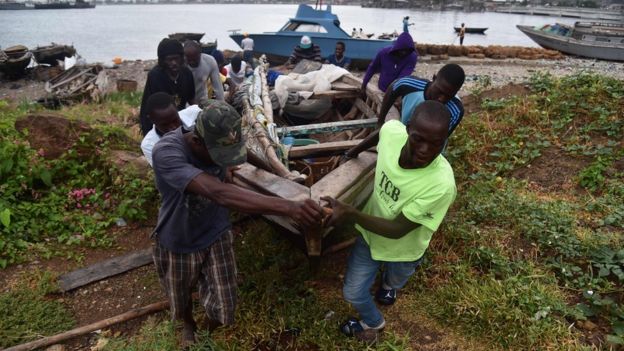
(571, 46)
(182, 37)
(472, 30)
(278, 47)
(51, 54)
(15, 65)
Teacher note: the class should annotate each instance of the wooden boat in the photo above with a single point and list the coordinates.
(323, 27)
(64, 5)
(208, 47)
(182, 37)
(311, 171)
(13, 6)
(472, 30)
(51, 54)
(603, 41)
(14, 61)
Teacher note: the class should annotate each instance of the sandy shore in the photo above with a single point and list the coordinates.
(500, 72)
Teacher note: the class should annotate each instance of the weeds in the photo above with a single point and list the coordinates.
(27, 314)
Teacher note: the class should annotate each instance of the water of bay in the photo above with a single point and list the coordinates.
(133, 31)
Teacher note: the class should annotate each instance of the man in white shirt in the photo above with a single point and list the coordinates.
(162, 112)
(248, 45)
(203, 67)
(238, 70)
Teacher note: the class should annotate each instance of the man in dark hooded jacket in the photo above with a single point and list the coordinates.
(392, 62)
(170, 76)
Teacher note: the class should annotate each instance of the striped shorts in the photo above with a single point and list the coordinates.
(212, 269)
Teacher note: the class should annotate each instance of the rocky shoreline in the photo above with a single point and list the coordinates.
(498, 72)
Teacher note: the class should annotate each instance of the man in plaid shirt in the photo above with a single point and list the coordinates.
(193, 242)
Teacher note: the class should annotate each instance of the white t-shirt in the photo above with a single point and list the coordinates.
(188, 117)
(207, 69)
(247, 44)
(237, 78)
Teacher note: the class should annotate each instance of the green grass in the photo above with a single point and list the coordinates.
(27, 314)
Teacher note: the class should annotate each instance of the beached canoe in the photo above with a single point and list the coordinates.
(53, 53)
(14, 60)
(603, 41)
(313, 170)
(182, 37)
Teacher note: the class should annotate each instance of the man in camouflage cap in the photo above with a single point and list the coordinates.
(193, 241)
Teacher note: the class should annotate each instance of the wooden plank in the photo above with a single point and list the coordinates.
(352, 80)
(340, 86)
(272, 184)
(334, 94)
(361, 191)
(329, 127)
(104, 269)
(341, 179)
(323, 149)
(362, 106)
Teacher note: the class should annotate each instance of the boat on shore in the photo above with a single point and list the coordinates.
(303, 161)
(14, 60)
(53, 53)
(323, 27)
(472, 30)
(182, 37)
(11, 5)
(63, 5)
(603, 41)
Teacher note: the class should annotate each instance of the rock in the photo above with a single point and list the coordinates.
(128, 162)
(101, 344)
(57, 347)
(50, 133)
(587, 325)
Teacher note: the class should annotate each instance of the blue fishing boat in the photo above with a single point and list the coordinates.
(323, 27)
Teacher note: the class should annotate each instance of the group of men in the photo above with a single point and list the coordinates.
(194, 150)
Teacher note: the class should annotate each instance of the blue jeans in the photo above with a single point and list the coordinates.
(248, 57)
(361, 272)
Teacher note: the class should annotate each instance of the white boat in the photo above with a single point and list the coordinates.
(603, 41)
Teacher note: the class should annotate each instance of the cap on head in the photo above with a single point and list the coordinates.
(168, 47)
(306, 42)
(219, 126)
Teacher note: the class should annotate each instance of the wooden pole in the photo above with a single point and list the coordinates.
(266, 100)
(50, 340)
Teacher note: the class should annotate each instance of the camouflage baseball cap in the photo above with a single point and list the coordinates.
(219, 125)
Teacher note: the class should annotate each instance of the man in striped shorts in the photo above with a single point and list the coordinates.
(413, 91)
(193, 243)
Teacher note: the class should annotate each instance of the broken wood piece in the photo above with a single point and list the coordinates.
(271, 184)
(70, 77)
(367, 110)
(104, 269)
(329, 127)
(323, 149)
(344, 177)
(340, 86)
(334, 94)
(54, 339)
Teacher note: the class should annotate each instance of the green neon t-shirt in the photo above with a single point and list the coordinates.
(423, 195)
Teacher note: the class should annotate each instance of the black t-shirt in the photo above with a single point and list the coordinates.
(182, 90)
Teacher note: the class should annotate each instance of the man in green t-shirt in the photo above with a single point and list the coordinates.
(414, 187)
